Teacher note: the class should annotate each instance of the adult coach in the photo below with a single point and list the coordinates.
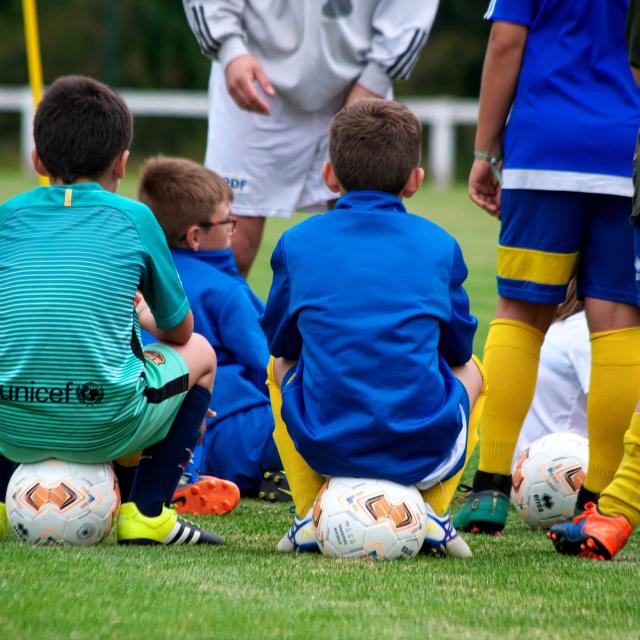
(558, 71)
(281, 70)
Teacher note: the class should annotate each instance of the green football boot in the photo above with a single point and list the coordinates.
(483, 512)
(4, 522)
(486, 505)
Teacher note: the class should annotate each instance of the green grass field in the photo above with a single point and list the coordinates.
(516, 586)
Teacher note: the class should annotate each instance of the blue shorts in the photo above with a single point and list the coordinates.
(547, 236)
(240, 448)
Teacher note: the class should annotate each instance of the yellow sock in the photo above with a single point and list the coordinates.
(440, 495)
(304, 482)
(511, 357)
(614, 389)
(622, 496)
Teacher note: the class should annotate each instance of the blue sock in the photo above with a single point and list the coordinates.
(6, 471)
(162, 464)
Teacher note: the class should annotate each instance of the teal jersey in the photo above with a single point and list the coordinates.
(72, 373)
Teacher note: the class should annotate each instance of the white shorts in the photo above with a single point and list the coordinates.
(273, 163)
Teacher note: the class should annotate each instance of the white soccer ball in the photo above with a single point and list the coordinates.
(546, 478)
(363, 518)
(55, 502)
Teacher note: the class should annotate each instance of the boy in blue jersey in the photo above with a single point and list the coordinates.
(370, 332)
(192, 205)
(72, 259)
(558, 101)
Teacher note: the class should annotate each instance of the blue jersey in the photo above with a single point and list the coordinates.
(226, 312)
(369, 299)
(576, 110)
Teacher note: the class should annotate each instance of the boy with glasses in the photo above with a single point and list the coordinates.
(192, 205)
(369, 328)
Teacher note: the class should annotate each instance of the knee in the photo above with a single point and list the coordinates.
(206, 360)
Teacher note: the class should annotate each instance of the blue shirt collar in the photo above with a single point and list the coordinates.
(222, 259)
(370, 199)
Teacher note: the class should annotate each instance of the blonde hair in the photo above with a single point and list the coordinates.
(180, 193)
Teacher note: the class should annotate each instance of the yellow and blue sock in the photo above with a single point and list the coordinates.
(304, 482)
(511, 357)
(622, 496)
(614, 389)
(439, 496)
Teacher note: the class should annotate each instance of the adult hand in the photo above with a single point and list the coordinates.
(241, 75)
(484, 188)
(358, 92)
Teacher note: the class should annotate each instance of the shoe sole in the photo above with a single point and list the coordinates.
(274, 488)
(584, 547)
(483, 527)
(207, 497)
(139, 542)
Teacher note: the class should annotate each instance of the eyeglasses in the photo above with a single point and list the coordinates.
(230, 220)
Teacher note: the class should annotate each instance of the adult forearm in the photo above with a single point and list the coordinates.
(499, 79)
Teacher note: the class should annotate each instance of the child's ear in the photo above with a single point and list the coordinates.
(37, 164)
(192, 237)
(413, 183)
(120, 164)
(330, 178)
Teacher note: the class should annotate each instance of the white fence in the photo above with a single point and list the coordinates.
(441, 115)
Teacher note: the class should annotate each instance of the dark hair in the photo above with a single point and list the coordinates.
(80, 127)
(375, 144)
(180, 193)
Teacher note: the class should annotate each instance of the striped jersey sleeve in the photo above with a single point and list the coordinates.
(401, 29)
(160, 286)
(215, 23)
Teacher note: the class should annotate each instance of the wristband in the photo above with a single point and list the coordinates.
(493, 163)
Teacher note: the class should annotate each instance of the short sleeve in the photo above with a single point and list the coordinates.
(518, 11)
(161, 286)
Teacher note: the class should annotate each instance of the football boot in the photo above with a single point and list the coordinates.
(300, 537)
(591, 534)
(206, 496)
(447, 542)
(274, 487)
(134, 528)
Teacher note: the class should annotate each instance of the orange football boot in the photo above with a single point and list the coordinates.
(207, 496)
(591, 534)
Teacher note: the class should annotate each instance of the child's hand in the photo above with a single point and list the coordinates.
(203, 427)
(484, 188)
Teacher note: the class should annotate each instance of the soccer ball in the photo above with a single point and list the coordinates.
(363, 518)
(546, 478)
(55, 502)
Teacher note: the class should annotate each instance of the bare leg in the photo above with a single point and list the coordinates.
(604, 315)
(537, 315)
(201, 360)
(246, 242)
